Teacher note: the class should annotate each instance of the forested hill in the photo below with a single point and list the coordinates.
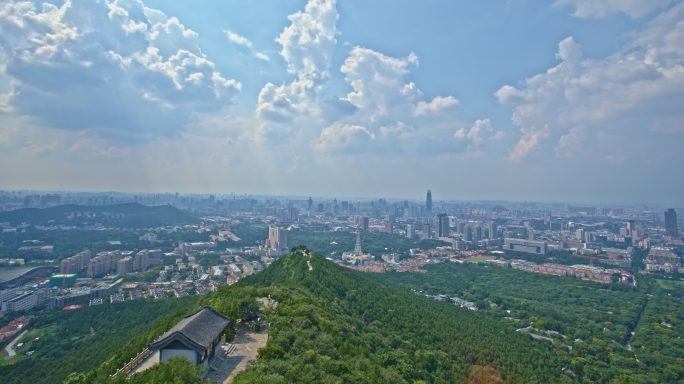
(335, 325)
(130, 215)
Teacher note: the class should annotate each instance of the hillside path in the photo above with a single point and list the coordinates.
(8, 348)
(149, 362)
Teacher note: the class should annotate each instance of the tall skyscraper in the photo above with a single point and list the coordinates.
(477, 234)
(277, 238)
(468, 233)
(671, 222)
(428, 204)
(460, 227)
(426, 232)
(309, 205)
(631, 227)
(442, 224)
(293, 214)
(389, 227)
(363, 223)
(493, 230)
(410, 231)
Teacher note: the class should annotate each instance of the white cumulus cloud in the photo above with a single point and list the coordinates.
(638, 90)
(117, 67)
(308, 43)
(343, 138)
(571, 143)
(438, 106)
(243, 41)
(379, 82)
(530, 141)
(237, 39)
(479, 133)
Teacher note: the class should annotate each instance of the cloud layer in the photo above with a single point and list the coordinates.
(116, 67)
(604, 8)
(632, 92)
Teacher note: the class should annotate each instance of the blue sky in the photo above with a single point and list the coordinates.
(573, 100)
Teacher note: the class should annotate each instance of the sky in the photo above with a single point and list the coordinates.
(566, 100)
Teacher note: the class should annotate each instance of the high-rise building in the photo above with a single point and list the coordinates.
(392, 218)
(671, 222)
(468, 233)
(410, 231)
(537, 224)
(389, 227)
(426, 232)
(309, 205)
(428, 204)
(631, 227)
(460, 228)
(293, 214)
(363, 223)
(124, 266)
(277, 238)
(414, 211)
(477, 234)
(141, 261)
(493, 230)
(442, 224)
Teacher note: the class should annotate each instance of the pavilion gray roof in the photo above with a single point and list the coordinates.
(196, 330)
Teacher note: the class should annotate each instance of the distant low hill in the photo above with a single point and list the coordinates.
(131, 215)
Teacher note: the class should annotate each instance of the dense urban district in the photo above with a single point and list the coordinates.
(376, 290)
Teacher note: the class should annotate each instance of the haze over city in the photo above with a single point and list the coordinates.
(573, 100)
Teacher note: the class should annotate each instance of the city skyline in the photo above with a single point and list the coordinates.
(317, 198)
(570, 101)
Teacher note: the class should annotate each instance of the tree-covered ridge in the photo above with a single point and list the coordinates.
(596, 319)
(70, 242)
(66, 345)
(135, 216)
(658, 341)
(574, 307)
(335, 325)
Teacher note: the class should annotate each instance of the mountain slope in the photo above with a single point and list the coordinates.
(335, 325)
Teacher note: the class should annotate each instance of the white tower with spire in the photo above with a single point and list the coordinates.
(357, 249)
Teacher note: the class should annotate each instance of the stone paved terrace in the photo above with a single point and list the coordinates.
(246, 344)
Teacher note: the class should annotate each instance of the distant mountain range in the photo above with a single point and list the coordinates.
(130, 215)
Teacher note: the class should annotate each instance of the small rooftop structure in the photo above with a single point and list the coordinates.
(195, 337)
